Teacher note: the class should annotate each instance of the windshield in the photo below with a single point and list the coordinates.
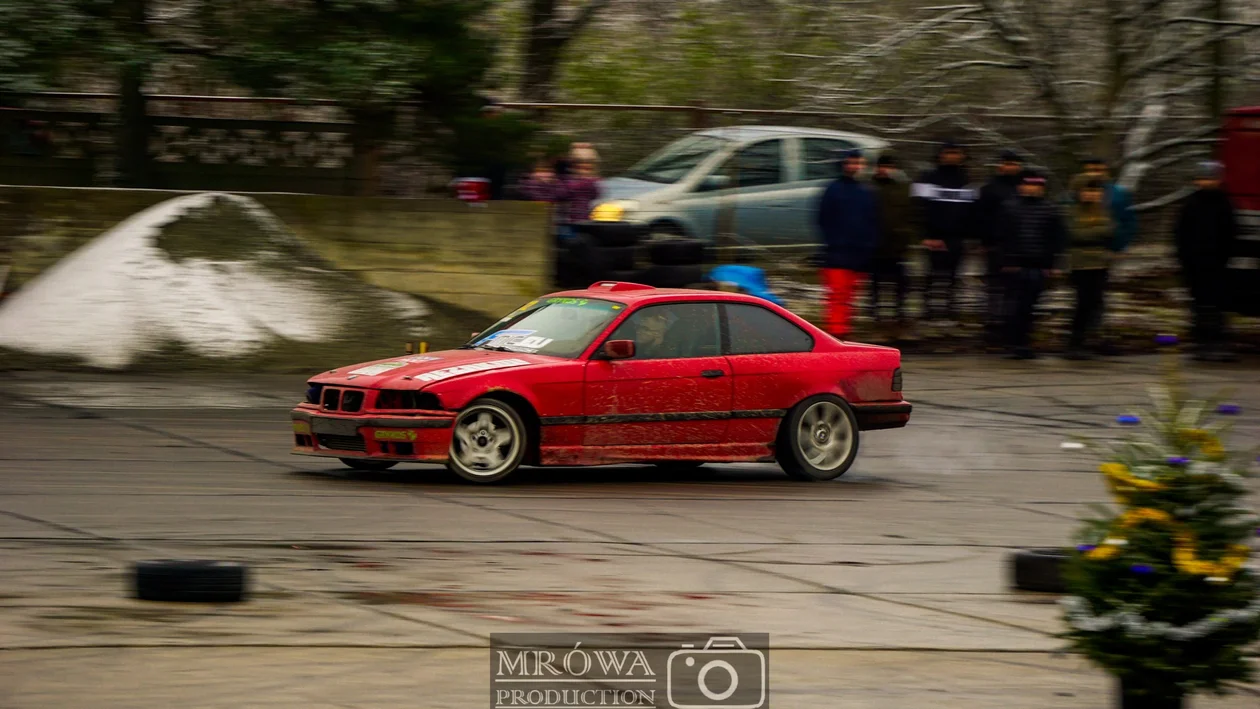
(559, 327)
(676, 160)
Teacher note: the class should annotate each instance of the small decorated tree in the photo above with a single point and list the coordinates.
(1160, 594)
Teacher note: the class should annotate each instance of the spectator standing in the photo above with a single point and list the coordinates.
(895, 230)
(995, 198)
(581, 189)
(1034, 236)
(1118, 202)
(1205, 234)
(848, 220)
(946, 201)
(1091, 234)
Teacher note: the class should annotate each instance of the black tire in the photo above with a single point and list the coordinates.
(677, 252)
(1039, 570)
(603, 259)
(480, 444)
(613, 233)
(374, 466)
(832, 423)
(672, 276)
(666, 228)
(190, 581)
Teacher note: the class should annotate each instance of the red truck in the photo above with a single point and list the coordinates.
(1240, 152)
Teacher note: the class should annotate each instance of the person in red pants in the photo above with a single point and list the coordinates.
(848, 218)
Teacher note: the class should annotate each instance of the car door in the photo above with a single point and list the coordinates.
(675, 390)
(813, 167)
(771, 366)
(743, 194)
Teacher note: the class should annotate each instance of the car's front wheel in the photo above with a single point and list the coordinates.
(488, 443)
(819, 439)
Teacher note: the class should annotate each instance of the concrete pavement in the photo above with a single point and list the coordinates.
(885, 588)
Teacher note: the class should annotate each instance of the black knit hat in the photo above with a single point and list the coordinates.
(886, 160)
(1010, 156)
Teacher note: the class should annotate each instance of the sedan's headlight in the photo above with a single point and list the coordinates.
(614, 211)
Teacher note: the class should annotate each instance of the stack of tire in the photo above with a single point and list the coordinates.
(675, 262)
(601, 251)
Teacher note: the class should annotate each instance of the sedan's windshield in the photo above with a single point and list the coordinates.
(676, 160)
(560, 327)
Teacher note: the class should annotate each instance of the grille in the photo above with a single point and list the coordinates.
(341, 443)
(352, 401)
(331, 398)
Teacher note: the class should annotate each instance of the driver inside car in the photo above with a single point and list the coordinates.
(650, 336)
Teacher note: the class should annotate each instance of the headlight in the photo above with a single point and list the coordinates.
(614, 211)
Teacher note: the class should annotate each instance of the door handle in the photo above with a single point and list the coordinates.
(711, 373)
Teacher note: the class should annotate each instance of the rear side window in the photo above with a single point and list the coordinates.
(755, 330)
(820, 155)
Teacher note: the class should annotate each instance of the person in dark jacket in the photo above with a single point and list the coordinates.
(946, 200)
(1205, 235)
(896, 229)
(995, 197)
(848, 220)
(1034, 237)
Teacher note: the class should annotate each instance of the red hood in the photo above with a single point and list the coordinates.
(420, 370)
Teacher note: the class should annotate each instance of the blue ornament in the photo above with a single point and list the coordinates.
(1142, 569)
(1128, 419)
(1090, 547)
(1229, 409)
(1176, 460)
(1165, 339)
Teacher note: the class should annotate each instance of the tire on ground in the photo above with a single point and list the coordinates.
(672, 276)
(190, 581)
(677, 252)
(605, 259)
(1038, 570)
(790, 451)
(613, 233)
(461, 457)
(368, 465)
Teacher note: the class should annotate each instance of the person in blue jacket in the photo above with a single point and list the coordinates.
(848, 219)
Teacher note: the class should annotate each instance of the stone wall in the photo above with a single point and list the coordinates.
(486, 258)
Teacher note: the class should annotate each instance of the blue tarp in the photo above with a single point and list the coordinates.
(750, 279)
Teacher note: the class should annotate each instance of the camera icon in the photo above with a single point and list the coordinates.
(724, 674)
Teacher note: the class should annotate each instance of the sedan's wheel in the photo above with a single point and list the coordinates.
(819, 439)
(488, 442)
(369, 465)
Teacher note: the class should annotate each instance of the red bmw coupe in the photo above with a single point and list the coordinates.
(615, 373)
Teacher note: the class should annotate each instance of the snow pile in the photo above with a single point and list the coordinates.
(129, 292)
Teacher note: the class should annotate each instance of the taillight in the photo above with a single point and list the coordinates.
(896, 382)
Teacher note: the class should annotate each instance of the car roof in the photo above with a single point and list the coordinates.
(743, 133)
(631, 293)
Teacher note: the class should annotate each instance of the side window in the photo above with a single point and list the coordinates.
(673, 331)
(756, 330)
(758, 164)
(819, 157)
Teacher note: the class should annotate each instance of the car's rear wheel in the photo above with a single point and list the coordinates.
(819, 439)
(488, 442)
(369, 465)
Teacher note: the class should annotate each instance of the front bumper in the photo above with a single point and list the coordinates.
(425, 436)
(883, 415)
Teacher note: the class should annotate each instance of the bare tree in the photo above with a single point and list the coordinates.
(552, 26)
(1141, 83)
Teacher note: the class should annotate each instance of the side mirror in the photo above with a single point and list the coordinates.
(618, 349)
(714, 182)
